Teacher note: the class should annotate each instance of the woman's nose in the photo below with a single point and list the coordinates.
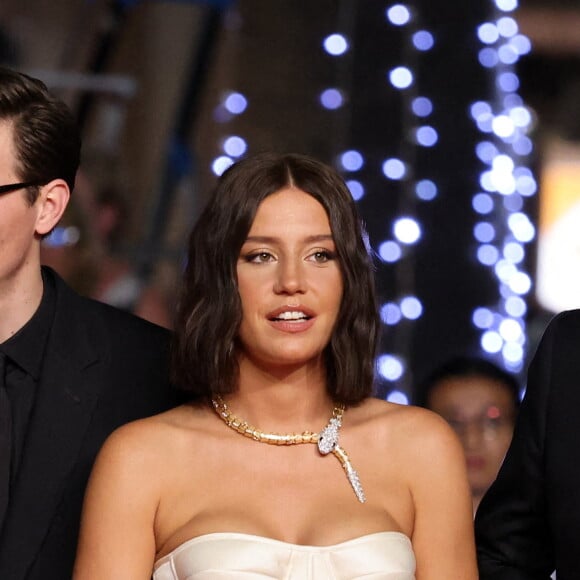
(290, 277)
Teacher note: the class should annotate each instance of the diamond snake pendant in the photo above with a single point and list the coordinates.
(326, 440)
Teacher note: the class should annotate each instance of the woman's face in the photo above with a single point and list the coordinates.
(289, 281)
(481, 412)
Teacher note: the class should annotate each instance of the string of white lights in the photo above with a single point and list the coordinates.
(503, 228)
(406, 229)
(232, 104)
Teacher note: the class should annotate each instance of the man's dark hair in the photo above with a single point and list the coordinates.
(210, 311)
(467, 366)
(45, 134)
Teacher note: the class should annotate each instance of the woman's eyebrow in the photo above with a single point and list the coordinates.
(274, 239)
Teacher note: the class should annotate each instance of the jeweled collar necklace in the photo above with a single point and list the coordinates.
(327, 439)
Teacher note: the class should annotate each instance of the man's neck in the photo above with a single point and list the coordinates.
(19, 299)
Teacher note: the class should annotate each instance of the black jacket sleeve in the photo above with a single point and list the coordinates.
(512, 526)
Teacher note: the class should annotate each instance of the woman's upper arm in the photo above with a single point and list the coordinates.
(443, 532)
(117, 537)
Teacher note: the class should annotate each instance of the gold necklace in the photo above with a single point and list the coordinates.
(327, 439)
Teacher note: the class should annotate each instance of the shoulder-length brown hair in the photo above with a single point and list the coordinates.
(204, 360)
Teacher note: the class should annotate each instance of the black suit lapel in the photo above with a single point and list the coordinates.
(66, 397)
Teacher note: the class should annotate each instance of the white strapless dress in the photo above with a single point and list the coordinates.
(220, 556)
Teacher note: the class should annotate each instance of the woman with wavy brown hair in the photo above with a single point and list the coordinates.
(282, 465)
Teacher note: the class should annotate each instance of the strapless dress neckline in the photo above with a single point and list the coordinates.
(384, 555)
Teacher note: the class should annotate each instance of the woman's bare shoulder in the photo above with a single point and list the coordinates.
(157, 437)
(407, 426)
(386, 413)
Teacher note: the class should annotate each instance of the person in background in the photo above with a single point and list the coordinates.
(70, 250)
(480, 401)
(86, 249)
(283, 465)
(117, 282)
(71, 369)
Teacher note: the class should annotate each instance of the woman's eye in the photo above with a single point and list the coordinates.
(322, 256)
(259, 257)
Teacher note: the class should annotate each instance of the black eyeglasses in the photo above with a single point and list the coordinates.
(16, 186)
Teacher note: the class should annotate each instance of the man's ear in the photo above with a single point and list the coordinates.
(52, 201)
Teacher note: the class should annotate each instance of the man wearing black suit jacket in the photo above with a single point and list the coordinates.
(71, 369)
(528, 524)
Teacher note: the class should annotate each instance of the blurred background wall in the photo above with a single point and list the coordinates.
(455, 123)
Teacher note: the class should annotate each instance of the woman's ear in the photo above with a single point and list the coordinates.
(52, 201)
